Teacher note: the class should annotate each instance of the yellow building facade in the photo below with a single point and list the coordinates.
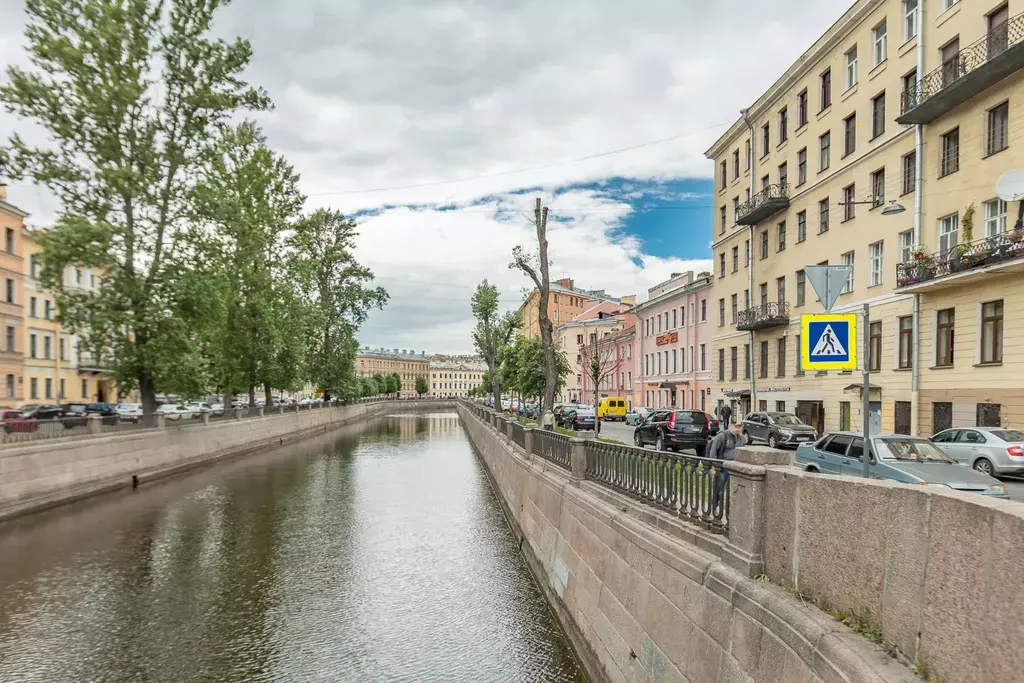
(566, 302)
(455, 379)
(408, 364)
(12, 308)
(902, 104)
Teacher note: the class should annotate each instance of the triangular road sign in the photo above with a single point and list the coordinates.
(828, 344)
(827, 282)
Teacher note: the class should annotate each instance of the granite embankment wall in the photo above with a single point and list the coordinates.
(644, 597)
(41, 474)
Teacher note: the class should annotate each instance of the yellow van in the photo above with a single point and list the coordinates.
(612, 409)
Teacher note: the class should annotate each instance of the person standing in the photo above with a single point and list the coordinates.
(723, 447)
(724, 416)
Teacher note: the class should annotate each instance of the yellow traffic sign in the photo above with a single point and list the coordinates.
(828, 341)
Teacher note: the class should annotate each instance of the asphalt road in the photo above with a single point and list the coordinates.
(620, 431)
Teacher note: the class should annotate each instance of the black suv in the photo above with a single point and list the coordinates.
(675, 429)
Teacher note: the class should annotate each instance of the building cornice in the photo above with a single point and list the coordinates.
(690, 288)
(12, 209)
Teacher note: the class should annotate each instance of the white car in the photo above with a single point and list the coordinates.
(197, 408)
(306, 401)
(216, 409)
(129, 412)
(173, 411)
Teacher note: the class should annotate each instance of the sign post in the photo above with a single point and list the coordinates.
(830, 341)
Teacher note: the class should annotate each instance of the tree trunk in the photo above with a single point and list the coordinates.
(266, 394)
(546, 327)
(147, 392)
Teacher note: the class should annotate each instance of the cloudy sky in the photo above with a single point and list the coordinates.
(438, 122)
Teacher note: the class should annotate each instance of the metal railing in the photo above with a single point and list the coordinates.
(685, 485)
(553, 447)
(1006, 246)
(771, 193)
(518, 435)
(990, 46)
(773, 311)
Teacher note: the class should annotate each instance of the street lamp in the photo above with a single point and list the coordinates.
(891, 210)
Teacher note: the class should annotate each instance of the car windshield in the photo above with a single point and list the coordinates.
(1012, 435)
(584, 411)
(688, 418)
(908, 449)
(786, 420)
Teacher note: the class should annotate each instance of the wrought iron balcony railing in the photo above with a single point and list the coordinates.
(1001, 248)
(765, 203)
(89, 361)
(998, 54)
(771, 314)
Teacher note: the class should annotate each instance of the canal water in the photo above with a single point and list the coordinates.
(376, 553)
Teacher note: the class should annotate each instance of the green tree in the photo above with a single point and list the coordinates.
(369, 386)
(394, 383)
(492, 333)
(421, 385)
(532, 368)
(336, 286)
(131, 95)
(600, 361)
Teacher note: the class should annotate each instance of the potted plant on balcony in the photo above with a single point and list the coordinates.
(960, 256)
(919, 268)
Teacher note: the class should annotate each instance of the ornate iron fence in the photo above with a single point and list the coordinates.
(768, 194)
(997, 249)
(763, 314)
(685, 485)
(553, 447)
(518, 435)
(993, 44)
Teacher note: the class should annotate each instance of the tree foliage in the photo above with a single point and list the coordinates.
(493, 332)
(600, 361)
(422, 387)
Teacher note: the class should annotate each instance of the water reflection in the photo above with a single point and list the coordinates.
(373, 555)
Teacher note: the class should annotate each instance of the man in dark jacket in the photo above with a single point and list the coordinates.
(724, 415)
(723, 447)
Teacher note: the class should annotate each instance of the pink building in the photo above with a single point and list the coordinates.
(673, 366)
(617, 356)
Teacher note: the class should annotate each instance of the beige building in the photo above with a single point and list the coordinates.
(408, 364)
(448, 379)
(566, 302)
(570, 337)
(905, 101)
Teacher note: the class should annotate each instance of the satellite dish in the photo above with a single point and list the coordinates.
(1010, 186)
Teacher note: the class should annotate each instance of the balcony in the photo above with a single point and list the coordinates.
(89, 362)
(764, 204)
(963, 264)
(771, 314)
(973, 69)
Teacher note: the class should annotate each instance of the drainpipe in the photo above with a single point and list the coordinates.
(750, 266)
(915, 370)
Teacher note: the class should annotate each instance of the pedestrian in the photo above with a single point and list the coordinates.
(723, 447)
(724, 415)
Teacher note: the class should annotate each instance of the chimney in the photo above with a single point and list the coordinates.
(3, 191)
(566, 282)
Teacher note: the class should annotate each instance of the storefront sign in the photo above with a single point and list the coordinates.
(760, 390)
(667, 338)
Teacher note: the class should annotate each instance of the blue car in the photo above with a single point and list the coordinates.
(896, 457)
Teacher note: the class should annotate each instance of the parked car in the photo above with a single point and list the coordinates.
(560, 412)
(306, 401)
(580, 417)
(675, 429)
(14, 421)
(611, 408)
(532, 410)
(75, 414)
(197, 408)
(897, 457)
(777, 429)
(636, 415)
(174, 411)
(42, 412)
(216, 409)
(129, 412)
(991, 450)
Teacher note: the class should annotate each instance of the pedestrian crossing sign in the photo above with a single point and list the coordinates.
(828, 341)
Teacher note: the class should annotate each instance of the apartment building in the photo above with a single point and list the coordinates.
(450, 379)
(675, 341)
(408, 364)
(566, 303)
(12, 222)
(570, 339)
(880, 149)
(616, 363)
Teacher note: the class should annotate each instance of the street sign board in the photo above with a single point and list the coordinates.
(828, 341)
(828, 282)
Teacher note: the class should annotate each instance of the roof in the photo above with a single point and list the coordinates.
(596, 294)
(392, 354)
(11, 208)
(688, 288)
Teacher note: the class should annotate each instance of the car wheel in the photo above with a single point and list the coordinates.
(659, 444)
(773, 440)
(746, 435)
(637, 440)
(984, 466)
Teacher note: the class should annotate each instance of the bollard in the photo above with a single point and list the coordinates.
(95, 423)
(280, 409)
(509, 427)
(238, 413)
(259, 412)
(578, 458)
(528, 439)
(160, 421)
(205, 417)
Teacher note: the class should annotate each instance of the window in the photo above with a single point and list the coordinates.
(721, 264)
(781, 243)
(825, 90)
(723, 220)
(783, 173)
(721, 365)
(675, 363)
(995, 217)
(954, 65)
(909, 173)
(721, 312)
(85, 388)
(48, 383)
(849, 135)
(10, 290)
(949, 229)
(763, 289)
(746, 254)
(801, 167)
(33, 388)
(47, 347)
(735, 259)
(851, 67)
(909, 19)
(10, 386)
(848, 261)
(998, 38)
(823, 216)
(799, 366)
(735, 209)
(844, 420)
(734, 306)
(949, 161)
(945, 320)
(880, 42)
(780, 289)
(48, 309)
(906, 336)
(733, 363)
(875, 346)
(32, 307)
(764, 244)
(735, 164)
(748, 154)
(33, 341)
(783, 125)
(725, 178)
(703, 357)
(801, 109)
(996, 134)
(765, 181)
(801, 287)
(674, 319)
(703, 311)
(878, 188)
(764, 359)
(766, 140)
(948, 4)
(824, 151)
(10, 339)
(748, 360)
(9, 240)
(801, 226)
(906, 245)
(780, 357)
(992, 332)
(849, 197)
(876, 256)
(877, 115)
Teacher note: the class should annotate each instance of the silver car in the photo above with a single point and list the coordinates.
(635, 416)
(992, 450)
